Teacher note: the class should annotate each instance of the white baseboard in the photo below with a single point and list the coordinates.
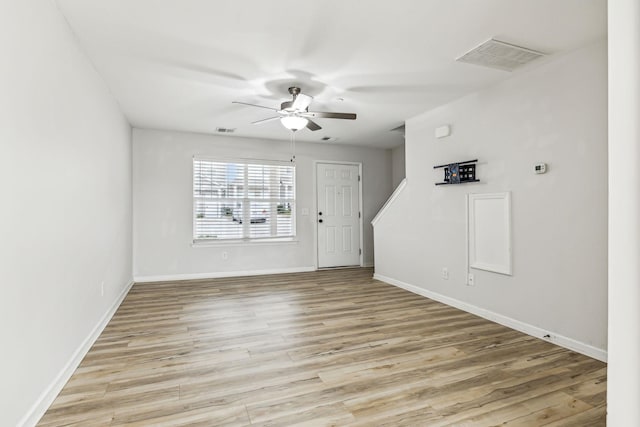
(47, 397)
(218, 275)
(566, 342)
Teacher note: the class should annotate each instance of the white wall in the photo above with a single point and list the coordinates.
(398, 165)
(555, 113)
(65, 222)
(623, 373)
(163, 203)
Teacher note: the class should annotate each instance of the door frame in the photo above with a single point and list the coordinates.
(315, 207)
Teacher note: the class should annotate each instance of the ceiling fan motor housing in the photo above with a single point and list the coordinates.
(286, 106)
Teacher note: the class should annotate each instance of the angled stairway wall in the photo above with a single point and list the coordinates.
(554, 112)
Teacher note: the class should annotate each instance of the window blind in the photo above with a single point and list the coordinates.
(243, 200)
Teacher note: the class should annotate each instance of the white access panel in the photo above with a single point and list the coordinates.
(489, 232)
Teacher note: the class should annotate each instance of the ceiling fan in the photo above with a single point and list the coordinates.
(295, 114)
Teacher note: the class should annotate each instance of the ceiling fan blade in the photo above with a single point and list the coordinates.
(327, 115)
(254, 105)
(301, 102)
(259, 122)
(311, 125)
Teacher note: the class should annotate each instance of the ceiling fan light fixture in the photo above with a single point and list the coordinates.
(294, 123)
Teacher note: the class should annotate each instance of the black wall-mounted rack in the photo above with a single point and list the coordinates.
(459, 173)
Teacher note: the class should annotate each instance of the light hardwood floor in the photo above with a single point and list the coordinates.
(322, 348)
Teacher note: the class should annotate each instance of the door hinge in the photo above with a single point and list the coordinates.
(360, 251)
(358, 178)
(359, 214)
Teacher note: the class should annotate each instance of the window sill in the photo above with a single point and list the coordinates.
(204, 243)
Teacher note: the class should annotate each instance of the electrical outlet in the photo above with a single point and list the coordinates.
(445, 273)
(102, 289)
(471, 281)
(225, 255)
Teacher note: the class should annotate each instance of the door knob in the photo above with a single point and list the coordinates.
(320, 220)
(319, 213)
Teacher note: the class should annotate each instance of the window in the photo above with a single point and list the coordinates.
(243, 200)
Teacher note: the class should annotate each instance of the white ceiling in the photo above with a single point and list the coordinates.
(179, 64)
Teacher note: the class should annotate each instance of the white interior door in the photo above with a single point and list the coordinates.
(338, 215)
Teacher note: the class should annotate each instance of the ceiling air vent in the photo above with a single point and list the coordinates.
(500, 55)
(225, 130)
(328, 139)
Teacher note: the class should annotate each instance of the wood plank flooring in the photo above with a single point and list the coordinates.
(316, 349)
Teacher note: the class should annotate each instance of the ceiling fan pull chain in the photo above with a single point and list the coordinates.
(293, 146)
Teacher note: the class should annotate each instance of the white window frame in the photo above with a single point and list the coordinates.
(246, 202)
